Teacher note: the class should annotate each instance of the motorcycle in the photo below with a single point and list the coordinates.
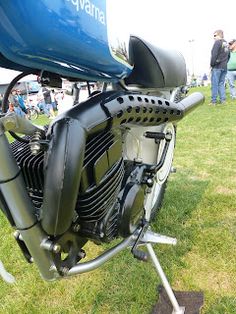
(98, 171)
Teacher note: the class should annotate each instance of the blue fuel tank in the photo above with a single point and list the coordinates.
(68, 37)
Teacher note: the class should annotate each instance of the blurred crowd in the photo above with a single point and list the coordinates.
(46, 101)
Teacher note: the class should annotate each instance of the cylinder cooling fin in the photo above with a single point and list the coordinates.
(32, 169)
(101, 176)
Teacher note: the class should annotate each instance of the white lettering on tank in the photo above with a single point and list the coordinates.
(88, 7)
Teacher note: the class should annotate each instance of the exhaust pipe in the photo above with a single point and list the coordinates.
(191, 102)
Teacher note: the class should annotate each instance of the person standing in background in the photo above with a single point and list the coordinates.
(219, 60)
(14, 104)
(48, 101)
(54, 105)
(21, 101)
(231, 68)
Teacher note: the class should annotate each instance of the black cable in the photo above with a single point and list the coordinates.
(11, 179)
(88, 87)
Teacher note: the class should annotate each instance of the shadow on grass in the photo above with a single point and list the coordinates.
(183, 195)
(182, 198)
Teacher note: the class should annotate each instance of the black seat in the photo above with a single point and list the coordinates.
(155, 67)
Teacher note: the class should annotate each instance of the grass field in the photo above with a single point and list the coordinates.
(199, 210)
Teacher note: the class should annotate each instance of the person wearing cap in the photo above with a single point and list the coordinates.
(219, 60)
(231, 68)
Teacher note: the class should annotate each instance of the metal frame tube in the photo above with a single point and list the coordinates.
(14, 190)
(100, 260)
(22, 210)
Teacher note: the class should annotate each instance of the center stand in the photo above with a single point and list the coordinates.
(148, 239)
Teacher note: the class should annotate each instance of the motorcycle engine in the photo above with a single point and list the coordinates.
(80, 183)
(110, 196)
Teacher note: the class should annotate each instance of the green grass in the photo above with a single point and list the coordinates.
(199, 210)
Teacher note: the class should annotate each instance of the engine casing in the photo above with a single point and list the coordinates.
(79, 182)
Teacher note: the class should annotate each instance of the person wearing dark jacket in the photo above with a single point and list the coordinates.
(219, 59)
(48, 102)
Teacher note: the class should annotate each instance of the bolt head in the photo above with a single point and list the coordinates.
(150, 182)
(56, 248)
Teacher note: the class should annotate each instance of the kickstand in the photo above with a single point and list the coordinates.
(176, 308)
(151, 237)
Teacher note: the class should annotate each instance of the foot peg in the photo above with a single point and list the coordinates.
(140, 255)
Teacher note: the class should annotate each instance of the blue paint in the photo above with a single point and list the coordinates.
(68, 37)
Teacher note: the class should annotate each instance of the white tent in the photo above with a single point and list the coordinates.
(6, 76)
